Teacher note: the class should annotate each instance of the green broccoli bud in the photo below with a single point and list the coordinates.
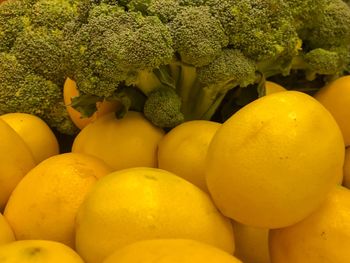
(262, 29)
(53, 13)
(41, 50)
(163, 108)
(331, 27)
(13, 19)
(198, 36)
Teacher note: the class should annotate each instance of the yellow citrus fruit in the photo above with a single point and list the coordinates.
(38, 251)
(252, 243)
(336, 98)
(183, 150)
(272, 87)
(122, 143)
(273, 162)
(170, 251)
(6, 233)
(36, 134)
(45, 202)
(320, 238)
(16, 160)
(144, 203)
(70, 91)
(346, 179)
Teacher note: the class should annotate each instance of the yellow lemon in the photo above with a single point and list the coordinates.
(6, 233)
(16, 160)
(322, 237)
(38, 251)
(336, 98)
(122, 143)
(273, 162)
(346, 180)
(144, 203)
(45, 202)
(70, 91)
(252, 244)
(272, 87)
(35, 133)
(170, 251)
(183, 150)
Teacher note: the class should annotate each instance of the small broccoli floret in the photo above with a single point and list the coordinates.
(23, 91)
(323, 61)
(13, 19)
(320, 61)
(198, 36)
(163, 108)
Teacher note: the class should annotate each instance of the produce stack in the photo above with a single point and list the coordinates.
(174, 131)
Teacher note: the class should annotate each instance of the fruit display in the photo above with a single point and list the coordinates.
(166, 131)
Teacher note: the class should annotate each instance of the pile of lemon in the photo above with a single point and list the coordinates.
(268, 185)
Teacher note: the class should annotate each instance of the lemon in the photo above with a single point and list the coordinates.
(336, 98)
(122, 143)
(38, 251)
(70, 91)
(6, 233)
(144, 203)
(320, 238)
(252, 244)
(45, 202)
(273, 162)
(272, 87)
(170, 251)
(16, 160)
(183, 150)
(36, 134)
(346, 180)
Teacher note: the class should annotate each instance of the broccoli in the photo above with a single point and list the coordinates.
(24, 91)
(325, 33)
(13, 19)
(163, 107)
(33, 67)
(174, 60)
(183, 56)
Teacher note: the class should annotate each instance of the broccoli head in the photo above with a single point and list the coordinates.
(262, 29)
(114, 47)
(198, 36)
(23, 91)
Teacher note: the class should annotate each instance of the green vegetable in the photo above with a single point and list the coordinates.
(174, 60)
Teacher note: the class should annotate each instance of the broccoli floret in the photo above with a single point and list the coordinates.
(325, 31)
(198, 36)
(262, 29)
(53, 13)
(331, 26)
(23, 91)
(165, 10)
(41, 51)
(231, 69)
(115, 46)
(13, 19)
(304, 13)
(163, 108)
